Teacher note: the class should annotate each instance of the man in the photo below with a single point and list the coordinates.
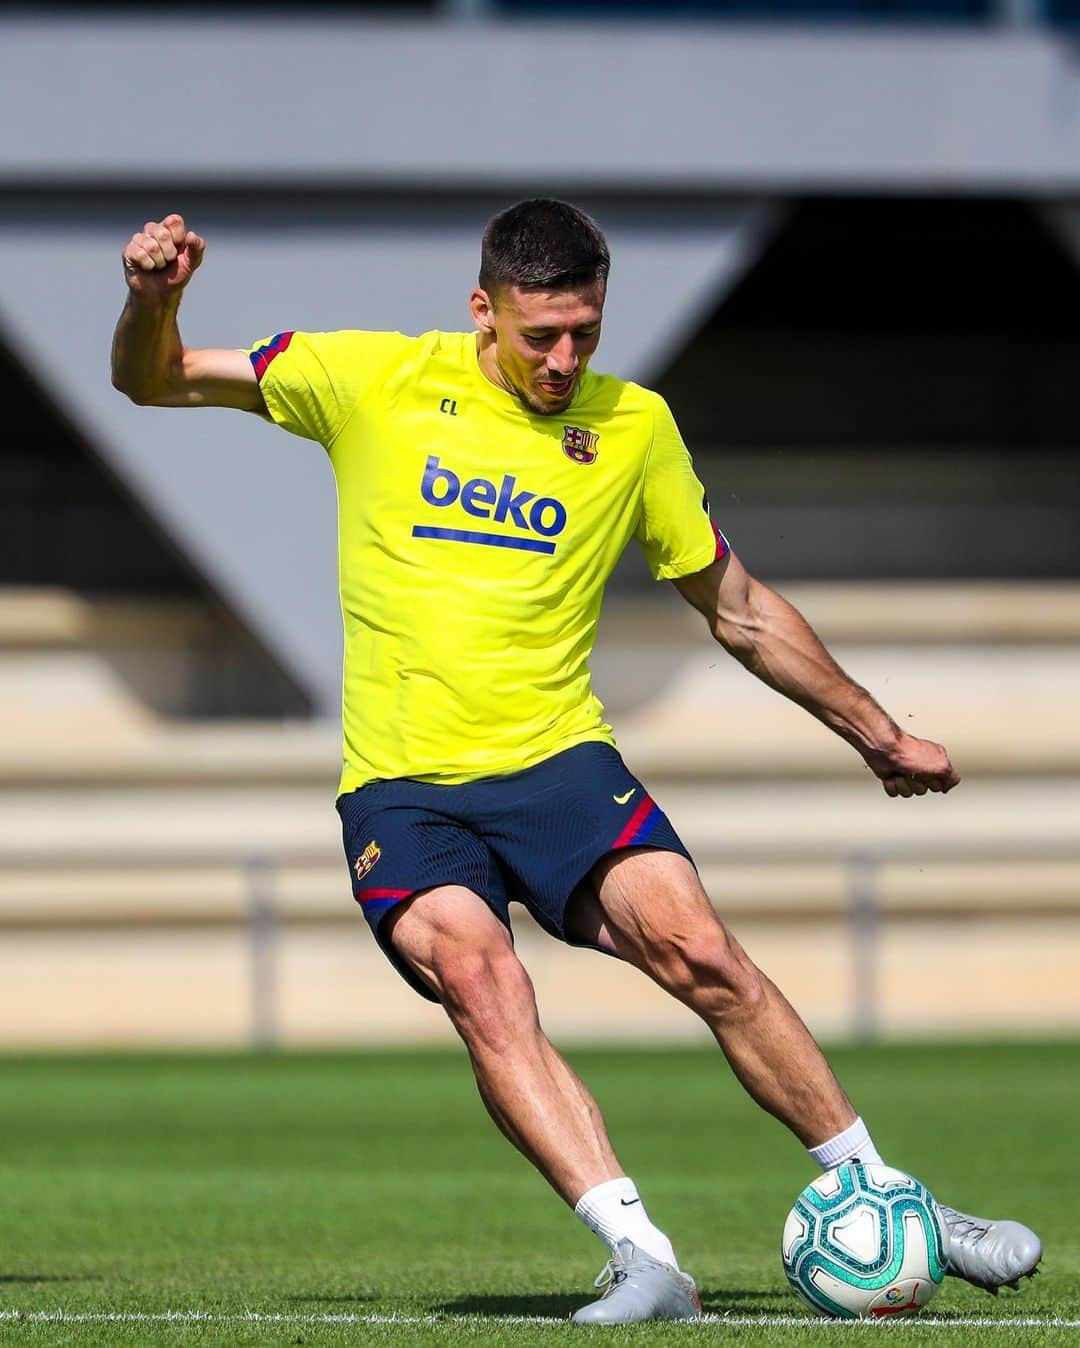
(487, 484)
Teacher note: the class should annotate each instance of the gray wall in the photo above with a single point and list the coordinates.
(320, 102)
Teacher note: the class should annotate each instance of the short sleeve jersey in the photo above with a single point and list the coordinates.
(475, 540)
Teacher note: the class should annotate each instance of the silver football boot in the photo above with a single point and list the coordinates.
(638, 1287)
(990, 1254)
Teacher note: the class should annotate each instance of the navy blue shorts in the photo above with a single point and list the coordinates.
(527, 837)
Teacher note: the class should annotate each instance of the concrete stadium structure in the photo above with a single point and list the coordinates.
(342, 170)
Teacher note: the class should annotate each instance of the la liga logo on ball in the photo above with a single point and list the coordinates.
(580, 445)
(865, 1242)
(894, 1303)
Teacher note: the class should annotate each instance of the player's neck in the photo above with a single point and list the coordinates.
(487, 357)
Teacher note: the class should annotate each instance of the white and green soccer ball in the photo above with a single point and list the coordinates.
(865, 1241)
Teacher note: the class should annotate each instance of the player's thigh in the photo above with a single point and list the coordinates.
(641, 901)
(455, 943)
(409, 841)
(646, 894)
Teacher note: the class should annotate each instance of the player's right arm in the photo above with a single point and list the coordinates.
(149, 361)
(773, 640)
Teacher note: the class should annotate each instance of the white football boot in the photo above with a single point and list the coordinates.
(637, 1288)
(990, 1254)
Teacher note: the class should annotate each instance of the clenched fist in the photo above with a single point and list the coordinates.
(161, 259)
(912, 767)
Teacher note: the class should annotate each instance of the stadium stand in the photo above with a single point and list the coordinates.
(203, 857)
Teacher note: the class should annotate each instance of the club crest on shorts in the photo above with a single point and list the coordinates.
(367, 858)
(580, 445)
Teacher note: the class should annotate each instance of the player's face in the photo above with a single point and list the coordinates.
(543, 340)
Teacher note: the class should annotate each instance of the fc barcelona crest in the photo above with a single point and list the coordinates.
(367, 858)
(580, 445)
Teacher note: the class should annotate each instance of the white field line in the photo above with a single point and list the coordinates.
(731, 1321)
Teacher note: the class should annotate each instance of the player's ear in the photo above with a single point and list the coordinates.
(482, 309)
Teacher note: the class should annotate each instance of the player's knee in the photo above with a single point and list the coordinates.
(489, 997)
(708, 970)
(731, 984)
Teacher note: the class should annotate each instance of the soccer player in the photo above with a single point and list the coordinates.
(487, 484)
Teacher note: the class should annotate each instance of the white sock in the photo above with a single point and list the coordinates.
(614, 1211)
(853, 1144)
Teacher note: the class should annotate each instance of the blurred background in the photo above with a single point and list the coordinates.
(846, 239)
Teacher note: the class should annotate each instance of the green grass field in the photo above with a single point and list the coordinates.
(305, 1199)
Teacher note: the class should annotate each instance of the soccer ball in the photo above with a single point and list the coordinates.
(865, 1241)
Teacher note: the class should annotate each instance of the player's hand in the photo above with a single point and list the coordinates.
(912, 767)
(162, 257)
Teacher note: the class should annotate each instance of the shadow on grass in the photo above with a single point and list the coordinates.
(555, 1304)
(559, 1305)
(28, 1278)
(747, 1301)
(549, 1305)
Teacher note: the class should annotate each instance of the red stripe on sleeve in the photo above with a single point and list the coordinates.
(262, 358)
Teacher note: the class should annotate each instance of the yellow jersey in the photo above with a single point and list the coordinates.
(475, 538)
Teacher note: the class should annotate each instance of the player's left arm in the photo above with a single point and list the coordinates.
(774, 641)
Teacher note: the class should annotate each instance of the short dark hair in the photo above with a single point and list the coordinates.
(542, 244)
